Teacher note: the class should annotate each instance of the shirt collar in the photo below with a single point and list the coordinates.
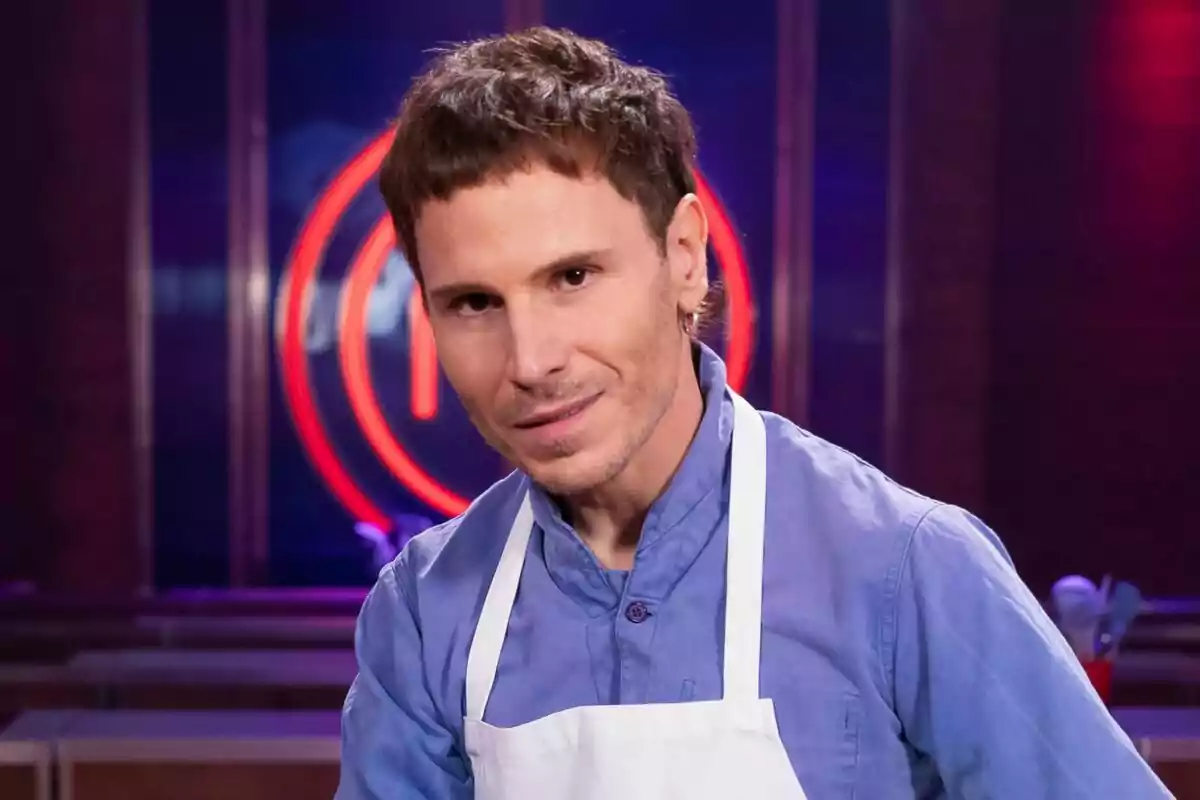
(572, 564)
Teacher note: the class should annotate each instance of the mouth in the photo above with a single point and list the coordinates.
(546, 417)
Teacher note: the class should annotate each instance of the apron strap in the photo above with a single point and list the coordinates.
(484, 656)
(744, 559)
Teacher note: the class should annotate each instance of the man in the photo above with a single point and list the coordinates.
(675, 596)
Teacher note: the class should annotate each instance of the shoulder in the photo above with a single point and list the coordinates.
(849, 501)
(451, 561)
(855, 507)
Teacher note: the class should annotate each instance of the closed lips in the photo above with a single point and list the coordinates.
(554, 414)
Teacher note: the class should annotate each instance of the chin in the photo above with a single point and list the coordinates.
(573, 474)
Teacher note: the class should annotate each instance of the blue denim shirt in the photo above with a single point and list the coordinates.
(905, 657)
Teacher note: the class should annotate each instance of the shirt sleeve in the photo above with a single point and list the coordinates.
(394, 741)
(987, 687)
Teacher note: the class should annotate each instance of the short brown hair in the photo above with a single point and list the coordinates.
(489, 107)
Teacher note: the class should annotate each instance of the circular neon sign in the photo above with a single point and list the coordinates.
(294, 306)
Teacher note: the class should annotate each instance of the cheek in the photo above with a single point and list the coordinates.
(472, 369)
(635, 333)
(642, 313)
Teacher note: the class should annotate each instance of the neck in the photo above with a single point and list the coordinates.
(610, 517)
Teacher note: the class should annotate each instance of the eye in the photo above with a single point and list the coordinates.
(574, 278)
(472, 305)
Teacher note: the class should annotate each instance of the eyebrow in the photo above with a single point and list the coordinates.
(574, 260)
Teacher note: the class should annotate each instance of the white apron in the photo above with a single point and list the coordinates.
(728, 748)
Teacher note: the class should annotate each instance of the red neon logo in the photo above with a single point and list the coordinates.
(294, 305)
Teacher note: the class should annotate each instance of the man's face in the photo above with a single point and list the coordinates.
(556, 315)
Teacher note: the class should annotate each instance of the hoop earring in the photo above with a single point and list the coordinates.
(689, 322)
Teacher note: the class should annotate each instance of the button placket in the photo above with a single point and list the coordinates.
(634, 635)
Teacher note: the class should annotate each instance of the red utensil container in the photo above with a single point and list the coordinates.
(1100, 673)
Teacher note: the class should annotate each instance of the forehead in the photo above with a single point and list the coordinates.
(513, 225)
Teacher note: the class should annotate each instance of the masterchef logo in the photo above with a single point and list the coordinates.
(295, 319)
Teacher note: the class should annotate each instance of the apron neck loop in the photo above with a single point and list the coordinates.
(743, 575)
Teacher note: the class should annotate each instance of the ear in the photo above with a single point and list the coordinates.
(687, 254)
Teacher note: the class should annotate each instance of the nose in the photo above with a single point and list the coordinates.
(538, 350)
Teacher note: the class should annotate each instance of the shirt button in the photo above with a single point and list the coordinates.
(636, 612)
